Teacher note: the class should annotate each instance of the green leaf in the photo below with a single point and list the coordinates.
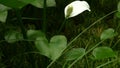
(40, 3)
(13, 36)
(118, 7)
(103, 52)
(41, 44)
(13, 3)
(117, 14)
(57, 45)
(3, 16)
(3, 8)
(33, 34)
(53, 49)
(108, 33)
(27, 1)
(74, 53)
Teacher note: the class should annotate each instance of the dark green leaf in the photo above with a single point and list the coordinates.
(13, 3)
(103, 52)
(13, 36)
(74, 53)
(108, 33)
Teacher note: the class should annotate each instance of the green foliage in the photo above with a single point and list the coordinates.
(13, 3)
(52, 49)
(13, 36)
(103, 53)
(40, 3)
(74, 53)
(33, 34)
(118, 7)
(3, 13)
(108, 33)
(3, 16)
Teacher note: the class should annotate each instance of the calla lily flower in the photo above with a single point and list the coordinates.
(75, 8)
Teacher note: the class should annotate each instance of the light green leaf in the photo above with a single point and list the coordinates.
(3, 8)
(103, 52)
(33, 34)
(57, 45)
(119, 7)
(107, 34)
(53, 49)
(3, 16)
(13, 36)
(40, 3)
(74, 53)
(41, 44)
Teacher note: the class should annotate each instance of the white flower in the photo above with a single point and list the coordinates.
(76, 8)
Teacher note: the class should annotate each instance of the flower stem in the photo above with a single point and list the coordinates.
(62, 25)
(20, 23)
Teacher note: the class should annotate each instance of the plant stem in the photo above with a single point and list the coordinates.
(106, 63)
(44, 26)
(20, 23)
(84, 54)
(62, 25)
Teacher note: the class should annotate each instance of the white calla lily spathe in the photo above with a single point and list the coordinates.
(75, 8)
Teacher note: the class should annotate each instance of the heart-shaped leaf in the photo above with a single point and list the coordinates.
(74, 53)
(57, 45)
(42, 45)
(33, 34)
(53, 49)
(103, 52)
(13, 36)
(108, 33)
(40, 3)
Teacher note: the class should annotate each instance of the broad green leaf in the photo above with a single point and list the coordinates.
(33, 34)
(41, 44)
(107, 34)
(103, 52)
(27, 1)
(74, 53)
(13, 36)
(13, 3)
(40, 3)
(57, 45)
(54, 48)
(119, 7)
(3, 16)
(3, 8)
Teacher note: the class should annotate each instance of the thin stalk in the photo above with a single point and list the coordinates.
(84, 54)
(44, 26)
(62, 25)
(20, 23)
(81, 34)
(100, 66)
